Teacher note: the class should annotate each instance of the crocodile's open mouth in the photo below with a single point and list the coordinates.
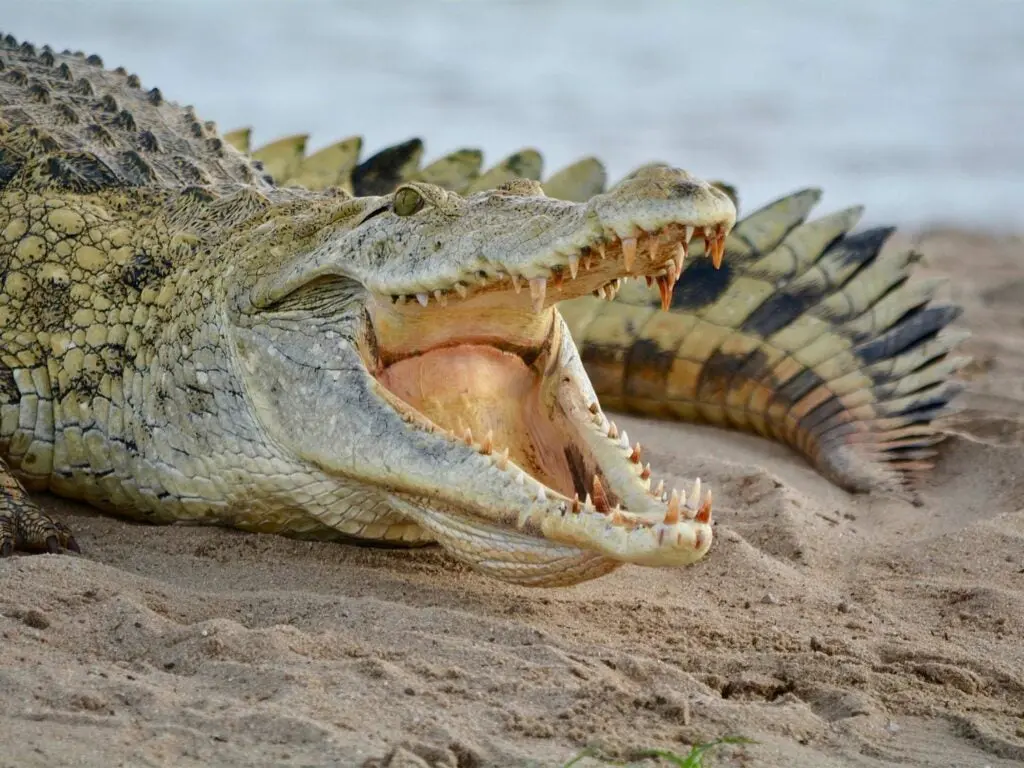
(493, 365)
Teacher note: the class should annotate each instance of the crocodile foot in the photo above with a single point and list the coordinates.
(26, 528)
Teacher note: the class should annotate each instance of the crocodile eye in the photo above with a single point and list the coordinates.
(408, 201)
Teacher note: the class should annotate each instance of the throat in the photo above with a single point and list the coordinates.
(488, 390)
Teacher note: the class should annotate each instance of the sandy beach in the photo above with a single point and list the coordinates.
(833, 630)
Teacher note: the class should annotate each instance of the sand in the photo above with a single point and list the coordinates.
(833, 630)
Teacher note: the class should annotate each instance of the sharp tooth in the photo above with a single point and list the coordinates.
(718, 248)
(516, 283)
(695, 494)
(600, 497)
(601, 251)
(704, 513)
(617, 518)
(524, 517)
(624, 440)
(575, 503)
(613, 431)
(538, 287)
(401, 300)
(645, 473)
(588, 502)
(652, 247)
(488, 444)
(541, 495)
(601, 293)
(649, 280)
(665, 289)
(689, 234)
(558, 278)
(680, 257)
(441, 298)
(467, 436)
(628, 252)
(635, 455)
(574, 265)
(709, 232)
(422, 298)
(672, 515)
(659, 489)
(671, 274)
(461, 290)
(594, 408)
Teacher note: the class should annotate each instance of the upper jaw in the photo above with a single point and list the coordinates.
(501, 241)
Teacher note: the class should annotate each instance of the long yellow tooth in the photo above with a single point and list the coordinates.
(665, 289)
(538, 288)
(516, 283)
(574, 265)
(600, 498)
(461, 290)
(600, 251)
(628, 252)
(689, 234)
(488, 444)
(680, 257)
(422, 298)
(671, 518)
(441, 298)
(673, 502)
(652, 248)
(718, 250)
(704, 513)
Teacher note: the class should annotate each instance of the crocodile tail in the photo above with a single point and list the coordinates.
(807, 334)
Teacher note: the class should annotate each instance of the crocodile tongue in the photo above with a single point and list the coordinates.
(487, 394)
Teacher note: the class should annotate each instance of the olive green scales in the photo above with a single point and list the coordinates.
(371, 350)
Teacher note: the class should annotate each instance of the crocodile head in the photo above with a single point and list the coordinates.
(412, 351)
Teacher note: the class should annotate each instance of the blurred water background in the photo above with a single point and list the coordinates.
(913, 107)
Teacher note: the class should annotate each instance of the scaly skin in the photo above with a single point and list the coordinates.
(184, 341)
(807, 335)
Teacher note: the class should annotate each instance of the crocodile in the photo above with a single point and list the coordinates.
(372, 352)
